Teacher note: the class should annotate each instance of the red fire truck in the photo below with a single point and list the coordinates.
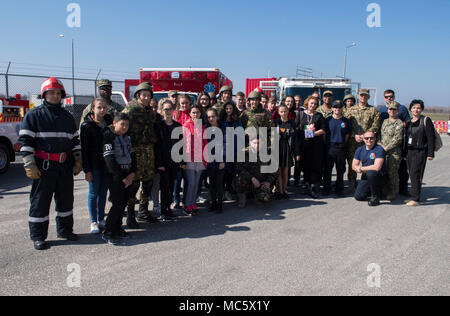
(12, 112)
(184, 80)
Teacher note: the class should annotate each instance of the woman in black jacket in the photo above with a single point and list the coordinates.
(419, 146)
(311, 137)
(169, 168)
(91, 134)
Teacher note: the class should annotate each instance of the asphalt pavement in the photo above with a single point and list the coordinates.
(329, 246)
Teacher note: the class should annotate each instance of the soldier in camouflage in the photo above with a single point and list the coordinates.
(249, 175)
(143, 139)
(349, 102)
(363, 118)
(391, 139)
(325, 109)
(225, 95)
(256, 116)
(104, 90)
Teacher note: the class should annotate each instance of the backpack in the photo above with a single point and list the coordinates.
(437, 138)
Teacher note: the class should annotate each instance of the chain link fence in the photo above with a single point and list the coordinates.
(29, 85)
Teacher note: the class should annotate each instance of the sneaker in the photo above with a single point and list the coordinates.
(201, 200)
(195, 210)
(95, 230)
(157, 210)
(412, 203)
(110, 239)
(228, 196)
(374, 202)
(169, 216)
(188, 210)
(102, 226)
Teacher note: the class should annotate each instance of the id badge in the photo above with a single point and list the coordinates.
(410, 141)
(309, 133)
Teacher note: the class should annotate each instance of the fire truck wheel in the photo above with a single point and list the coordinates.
(4, 159)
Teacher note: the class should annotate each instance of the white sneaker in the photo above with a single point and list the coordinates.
(201, 200)
(94, 229)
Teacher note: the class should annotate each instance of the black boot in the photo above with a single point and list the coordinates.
(213, 207)
(219, 207)
(143, 213)
(40, 245)
(131, 218)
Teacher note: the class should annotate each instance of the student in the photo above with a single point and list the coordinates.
(121, 165)
(272, 106)
(420, 146)
(181, 115)
(339, 130)
(93, 164)
(170, 169)
(311, 132)
(288, 149)
(370, 162)
(216, 169)
(193, 131)
(230, 119)
(289, 101)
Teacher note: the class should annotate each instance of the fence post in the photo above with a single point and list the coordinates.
(95, 82)
(6, 80)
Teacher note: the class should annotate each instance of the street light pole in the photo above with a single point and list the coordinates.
(345, 60)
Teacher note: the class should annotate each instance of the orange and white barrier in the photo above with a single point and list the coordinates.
(441, 126)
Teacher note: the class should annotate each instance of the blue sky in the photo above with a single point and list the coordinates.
(409, 53)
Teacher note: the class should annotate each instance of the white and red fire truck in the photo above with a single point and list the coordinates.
(12, 112)
(185, 80)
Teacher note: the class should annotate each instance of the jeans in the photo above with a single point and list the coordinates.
(98, 190)
(370, 186)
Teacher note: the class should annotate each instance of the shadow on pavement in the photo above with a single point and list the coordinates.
(435, 196)
(14, 179)
(204, 225)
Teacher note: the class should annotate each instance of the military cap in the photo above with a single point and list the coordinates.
(349, 96)
(328, 92)
(225, 88)
(104, 83)
(142, 87)
(172, 93)
(364, 91)
(337, 104)
(393, 105)
(254, 95)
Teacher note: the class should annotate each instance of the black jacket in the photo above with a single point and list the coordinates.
(419, 135)
(92, 143)
(165, 143)
(49, 128)
(112, 167)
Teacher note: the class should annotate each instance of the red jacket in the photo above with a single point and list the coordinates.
(190, 133)
(184, 117)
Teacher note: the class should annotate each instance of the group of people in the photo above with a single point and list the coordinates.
(132, 153)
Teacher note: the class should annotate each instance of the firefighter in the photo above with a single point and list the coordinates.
(51, 153)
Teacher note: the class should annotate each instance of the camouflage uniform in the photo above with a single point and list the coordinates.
(143, 138)
(245, 171)
(325, 113)
(392, 141)
(362, 120)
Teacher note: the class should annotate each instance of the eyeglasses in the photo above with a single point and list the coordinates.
(369, 138)
(388, 96)
(167, 110)
(392, 109)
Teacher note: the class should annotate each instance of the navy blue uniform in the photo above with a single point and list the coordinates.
(50, 129)
(371, 181)
(337, 132)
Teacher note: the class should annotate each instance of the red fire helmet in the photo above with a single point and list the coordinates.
(52, 84)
